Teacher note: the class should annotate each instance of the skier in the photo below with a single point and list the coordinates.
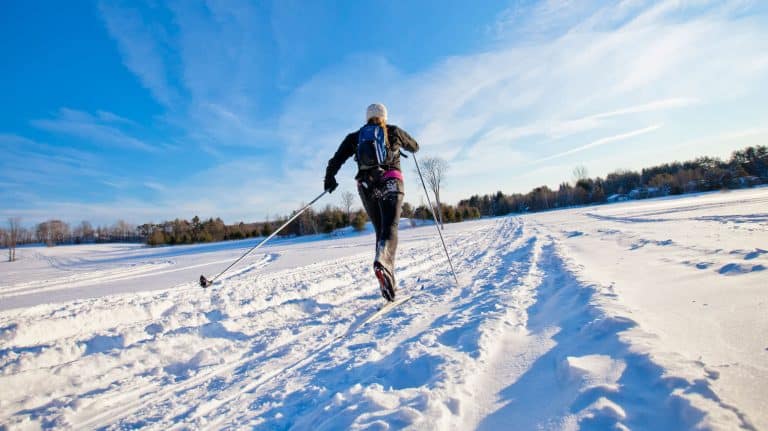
(376, 147)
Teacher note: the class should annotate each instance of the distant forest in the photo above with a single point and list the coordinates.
(745, 168)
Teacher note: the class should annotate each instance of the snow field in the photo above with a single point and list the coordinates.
(669, 266)
(644, 315)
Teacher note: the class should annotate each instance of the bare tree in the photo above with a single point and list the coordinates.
(347, 199)
(3, 238)
(82, 232)
(86, 230)
(43, 233)
(435, 169)
(307, 222)
(580, 173)
(60, 231)
(123, 229)
(52, 232)
(14, 229)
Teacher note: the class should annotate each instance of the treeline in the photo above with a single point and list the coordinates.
(211, 230)
(449, 213)
(745, 168)
(56, 232)
(310, 222)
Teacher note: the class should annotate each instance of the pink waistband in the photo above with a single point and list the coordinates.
(394, 173)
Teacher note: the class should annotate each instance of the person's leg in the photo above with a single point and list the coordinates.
(371, 207)
(390, 205)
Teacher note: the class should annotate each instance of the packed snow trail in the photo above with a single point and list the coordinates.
(557, 324)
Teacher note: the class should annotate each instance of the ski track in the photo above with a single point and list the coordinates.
(524, 342)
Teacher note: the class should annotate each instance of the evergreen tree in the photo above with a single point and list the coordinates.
(359, 220)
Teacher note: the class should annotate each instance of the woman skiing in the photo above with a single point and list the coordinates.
(376, 147)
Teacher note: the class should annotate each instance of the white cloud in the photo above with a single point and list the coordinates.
(32, 174)
(603, 141)
(35, 164)
(541, 19)
(100, 214)
(100, 131)
(141, 47)
(110, 117)
(205, 66)
(657, 105)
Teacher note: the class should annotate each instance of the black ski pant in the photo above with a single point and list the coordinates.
(383, 201)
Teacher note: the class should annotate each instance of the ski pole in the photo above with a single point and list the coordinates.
(204, 282)
(437, 225)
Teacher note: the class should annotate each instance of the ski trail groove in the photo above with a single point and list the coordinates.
(275, 282)
(324, 346)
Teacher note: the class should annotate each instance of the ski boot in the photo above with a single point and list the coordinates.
(386, 282)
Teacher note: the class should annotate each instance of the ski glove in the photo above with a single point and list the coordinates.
(330, 184)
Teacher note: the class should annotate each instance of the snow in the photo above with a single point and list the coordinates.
(635, 315)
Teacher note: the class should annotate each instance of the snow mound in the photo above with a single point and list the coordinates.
(593, 371)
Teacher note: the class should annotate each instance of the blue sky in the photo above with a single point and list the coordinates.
(147, 111)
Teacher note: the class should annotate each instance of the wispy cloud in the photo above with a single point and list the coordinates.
(723, 143)
(657, 105)
(141, 46)
(102, 130)
(558, 129)
(101, 213)
(603, 141)
(110, 117)
(206, 66)
(537, 20)
(32, 163)
(155, 186)
(32, 174)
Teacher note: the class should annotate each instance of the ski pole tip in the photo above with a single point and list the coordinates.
(462, 280)
(204, 282)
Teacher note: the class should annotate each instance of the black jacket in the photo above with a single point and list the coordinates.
(396, 138)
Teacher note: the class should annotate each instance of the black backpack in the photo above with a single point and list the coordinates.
(372, 150)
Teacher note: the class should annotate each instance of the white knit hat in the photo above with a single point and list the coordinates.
(376, 110)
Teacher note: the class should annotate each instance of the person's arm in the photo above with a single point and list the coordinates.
(345, 151)
(406, 140)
